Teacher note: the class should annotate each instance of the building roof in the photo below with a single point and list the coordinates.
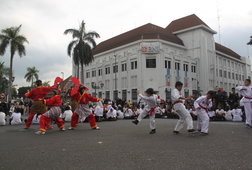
(184, 23)
(147, 31)
(226, 51)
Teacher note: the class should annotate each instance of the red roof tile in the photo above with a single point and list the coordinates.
(184, 23)
(147, 31)
(226, 51)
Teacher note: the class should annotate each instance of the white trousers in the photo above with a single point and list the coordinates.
(248, 112)
(203, 121)
(152, 118)
(184, 117)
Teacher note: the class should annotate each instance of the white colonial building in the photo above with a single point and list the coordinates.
(151, 56)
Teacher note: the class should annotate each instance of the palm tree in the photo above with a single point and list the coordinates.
(11, 37)
(4, 72)
(250, 42)
(31, 74)
(80, 48)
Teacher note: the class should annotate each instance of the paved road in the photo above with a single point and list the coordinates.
(121, 145)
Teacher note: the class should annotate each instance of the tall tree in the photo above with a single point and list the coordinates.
(250, 42)
(11, 37)
(80, 48)
(31, 74)
(4, 72)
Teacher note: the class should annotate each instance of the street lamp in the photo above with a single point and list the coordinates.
(95, 87)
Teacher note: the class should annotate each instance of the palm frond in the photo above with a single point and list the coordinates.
(70, 47)
(3, 46)
(75, 33)
(91, 41)
(92, 34)
(21, 50)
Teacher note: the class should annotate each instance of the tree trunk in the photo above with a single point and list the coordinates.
(10, 79)
(82, 74)
(78, 71)
(32, 81)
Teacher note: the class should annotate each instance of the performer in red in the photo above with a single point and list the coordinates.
(82, 111)
(38, 107)
(53, 114)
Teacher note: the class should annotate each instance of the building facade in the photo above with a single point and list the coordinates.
(151, 56)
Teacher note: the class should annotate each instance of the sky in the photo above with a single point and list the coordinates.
(44, 21)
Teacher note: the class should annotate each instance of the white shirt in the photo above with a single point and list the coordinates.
(150, 101)
(111, 113)
(2, 118)
(98, 111)
(128, 112)
(16, 118)
(158, 111)
(175, 95)
(139, 111)
(237, 115)
(228, 115)
(211, 113)
(67, 115)
(245, 93)
(120, 114)
(203, 102)
(221, 111)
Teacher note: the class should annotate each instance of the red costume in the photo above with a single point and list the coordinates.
(82, 109)
(38, 107)
(53, 114)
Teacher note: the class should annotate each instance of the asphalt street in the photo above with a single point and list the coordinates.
(121, 145)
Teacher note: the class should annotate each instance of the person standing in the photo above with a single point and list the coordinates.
(202, 104)
(151, 101)
(83, 111)
(246, 92)
(180, 109)
(2, 117)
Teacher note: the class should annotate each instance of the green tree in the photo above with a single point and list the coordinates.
(80, 48)
(250, 42)
(23, 90)
(46, 84)
(4, 72)
(31, 74)
(11, 37)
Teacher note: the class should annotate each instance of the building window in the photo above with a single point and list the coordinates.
(185, 67)
(229, 75)
(88, 75)
(243, 78)
(107, 70)
(115, 69)
(134, 94)
(217, 72)
(193, 69)
(133, 65)
(100, 94)
(124, 67)
(115, 94)
(150, 63)
(124, 95)
(107, 84)
(233, 76)
(177, 66)
(236, 76)
(239, 77)
(167, 64)
(100, 72)
(107, 94)
(93, 73)
(220, 73)
(225, 74)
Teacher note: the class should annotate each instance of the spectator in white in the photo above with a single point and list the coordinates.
(211, 114)
(220, 113)
(36, 119)
(229, 114)
(2, 117)
(111, 113)
(139, 110)
(12, 108)
(237, 115)
(98, 111)
(202, 104)
(158, 112)
(119, 113)
(15, 118)
(67, 115)
(128, 113)
(246, 92)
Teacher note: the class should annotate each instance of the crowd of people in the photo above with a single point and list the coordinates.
(35, 108)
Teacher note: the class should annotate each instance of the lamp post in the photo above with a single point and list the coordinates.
(95, 87)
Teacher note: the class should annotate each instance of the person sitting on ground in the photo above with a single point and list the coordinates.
(67, 115)
(211, 113)
(119, 113)
(2, 117)
(229, 114)
(237, 114)
(111, 114)
(158, 112)
(220, 113)
(128, 113)
(15, 118)
(98, 111)
(139, 110)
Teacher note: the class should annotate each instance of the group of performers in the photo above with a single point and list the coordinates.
(80, 106)
(79, 102)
